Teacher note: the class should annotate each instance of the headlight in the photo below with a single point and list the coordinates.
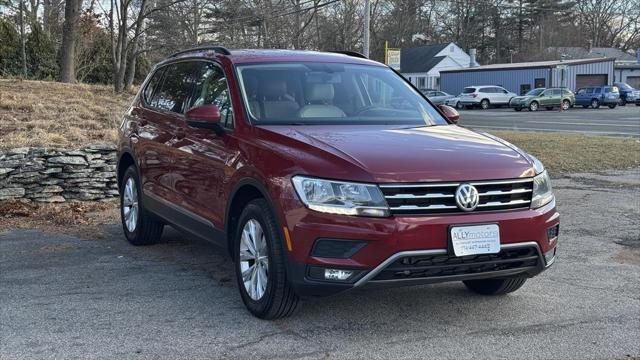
(344, 198)
(542, 191)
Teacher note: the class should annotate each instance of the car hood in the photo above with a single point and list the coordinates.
(522, 98)
(398, 153)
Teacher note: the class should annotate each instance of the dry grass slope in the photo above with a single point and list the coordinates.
(38, 113)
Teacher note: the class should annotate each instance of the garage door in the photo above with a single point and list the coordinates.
(634, 81)
(589, 80)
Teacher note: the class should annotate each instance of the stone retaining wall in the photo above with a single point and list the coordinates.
(58, 175)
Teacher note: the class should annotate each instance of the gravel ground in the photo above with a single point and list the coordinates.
(65, 297)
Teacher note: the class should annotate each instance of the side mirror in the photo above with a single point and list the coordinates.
(450, 113)
(205, 117)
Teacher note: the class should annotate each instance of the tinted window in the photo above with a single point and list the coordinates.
(535, 92)
(176, 88)
(152, 85)
(581, 91)
(468, 90)
(211, 89)
(557, 92)
(486, 90)
(547, 93)
(596, 91)
(589, 90)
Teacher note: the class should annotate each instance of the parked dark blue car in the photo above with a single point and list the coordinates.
(628, 94)
(595, 96)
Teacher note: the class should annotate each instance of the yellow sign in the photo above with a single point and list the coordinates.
(391, 57)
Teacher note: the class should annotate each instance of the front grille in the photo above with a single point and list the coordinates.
(438, 265)
(436, 198)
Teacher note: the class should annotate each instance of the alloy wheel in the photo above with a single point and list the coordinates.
(565, 105)
(533, 106)
(130, 207)
(254, 259)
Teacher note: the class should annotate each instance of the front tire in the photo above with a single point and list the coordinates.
(612, 106)
(533, 106)
(261, 265)
(517, 109)
(459, 106)
(140, 227)
(495, 286)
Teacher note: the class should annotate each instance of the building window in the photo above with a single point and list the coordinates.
(524, 88)
(421, 82)
(540, 82)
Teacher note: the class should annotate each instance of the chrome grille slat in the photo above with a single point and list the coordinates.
(427, 196)
(438, 198)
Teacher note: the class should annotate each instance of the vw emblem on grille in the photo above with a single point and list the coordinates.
(467, 197)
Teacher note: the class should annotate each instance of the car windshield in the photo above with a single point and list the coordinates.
(331, 93)
(534, 92)
(623, 86)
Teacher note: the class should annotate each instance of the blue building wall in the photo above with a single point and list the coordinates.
(604, 67)
(454, 82)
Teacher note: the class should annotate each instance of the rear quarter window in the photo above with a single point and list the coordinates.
(468, 90)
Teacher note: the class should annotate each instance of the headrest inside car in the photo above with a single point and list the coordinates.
(319, 92)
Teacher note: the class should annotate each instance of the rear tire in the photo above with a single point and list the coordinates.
(495, 286)
(595, 103)
(140, 227)
(484, 104)
(623, 102)
(565, 105)
(612, 106)
(459, 106)
(277, 299)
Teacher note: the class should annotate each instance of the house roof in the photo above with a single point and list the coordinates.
(529, 65)
(596, 52)
(420, 59)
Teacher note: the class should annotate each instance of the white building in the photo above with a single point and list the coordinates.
(422, 65)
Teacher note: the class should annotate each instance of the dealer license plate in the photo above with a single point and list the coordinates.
(475, 239)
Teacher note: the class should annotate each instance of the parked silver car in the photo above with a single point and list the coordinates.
(485, 96)
(437, 97)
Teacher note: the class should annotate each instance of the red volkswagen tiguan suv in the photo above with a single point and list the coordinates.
(323, 172)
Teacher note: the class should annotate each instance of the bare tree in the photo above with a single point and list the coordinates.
(69, 37)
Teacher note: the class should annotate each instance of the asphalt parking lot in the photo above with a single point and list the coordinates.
(621, 121)
(64, 297)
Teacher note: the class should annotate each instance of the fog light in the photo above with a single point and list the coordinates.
(550, 255)
(337, 274)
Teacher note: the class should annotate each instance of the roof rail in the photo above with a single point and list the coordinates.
(219, 49)
(349, 53)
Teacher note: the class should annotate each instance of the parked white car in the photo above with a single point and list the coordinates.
(485, 96)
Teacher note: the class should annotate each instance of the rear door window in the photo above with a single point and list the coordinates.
(589, 90)
(177, 87)
(152, 86)
(557, 92)
(596, 91)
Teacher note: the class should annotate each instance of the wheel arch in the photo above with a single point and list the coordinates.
(124, 161)
(246, 190)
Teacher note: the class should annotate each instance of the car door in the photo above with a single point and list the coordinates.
(505, 96)
(556, 97)
(151, 131)
(545, 98)
(204, 158)
(164, 114)
(583, 96)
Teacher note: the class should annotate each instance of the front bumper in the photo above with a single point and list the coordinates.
(423, 240)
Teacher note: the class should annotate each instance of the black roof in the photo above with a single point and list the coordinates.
(420, 59)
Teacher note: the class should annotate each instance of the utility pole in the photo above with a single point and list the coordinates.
(365, 40)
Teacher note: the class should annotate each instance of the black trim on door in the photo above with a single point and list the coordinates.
(184, 220)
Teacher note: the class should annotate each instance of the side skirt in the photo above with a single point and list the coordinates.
(184, 220)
